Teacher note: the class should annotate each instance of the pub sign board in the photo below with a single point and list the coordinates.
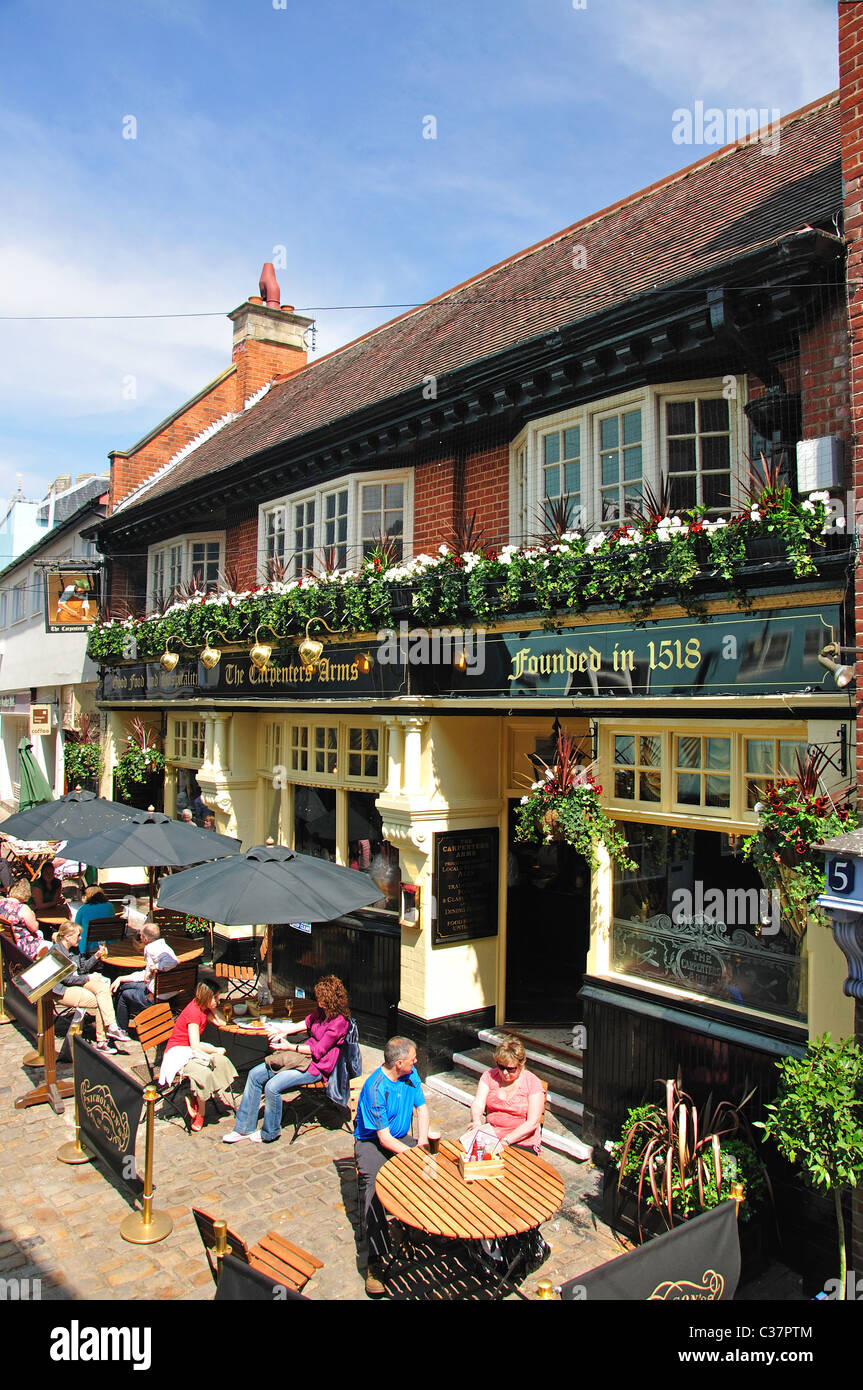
(465, 870)
(71, 599)
(339, 672)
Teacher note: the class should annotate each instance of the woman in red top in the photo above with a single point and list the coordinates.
(207, 1068)
(511, 1098)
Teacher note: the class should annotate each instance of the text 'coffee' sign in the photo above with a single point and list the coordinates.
(465, 886)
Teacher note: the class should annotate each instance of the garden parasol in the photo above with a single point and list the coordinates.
(77, 813)
(33, 786)
(271, 884)
(150, 838)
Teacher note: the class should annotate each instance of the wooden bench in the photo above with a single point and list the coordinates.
(277, 1258)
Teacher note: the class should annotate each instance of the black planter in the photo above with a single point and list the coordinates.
(401, 604)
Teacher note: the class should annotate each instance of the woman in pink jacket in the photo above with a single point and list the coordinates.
(327, 1028)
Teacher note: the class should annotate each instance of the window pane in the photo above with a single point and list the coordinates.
(689, 789)
(688, 752)
(610, 469)
(624, 784)
(650, 752)
(759, 755)
(393, 496)
(716, 453)
(624, 749)
(718, 791)
(717, 489)
(551, 448)
(572, 478)
(718, 753)
(632, 427)
(552, 482)
(788, 753)
(680, 417)
(572, 442)
(713, 414)
(684, 493)
(650, 786)
(315, 821)
(609, 433)
(371, 497)
(369, 852)
(681, 455)
(632, 463)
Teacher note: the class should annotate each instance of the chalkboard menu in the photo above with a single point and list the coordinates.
(465, 885)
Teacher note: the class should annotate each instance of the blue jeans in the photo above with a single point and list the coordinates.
(129, 1000)
(274, 1084)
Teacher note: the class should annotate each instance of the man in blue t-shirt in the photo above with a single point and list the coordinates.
(384, 1113)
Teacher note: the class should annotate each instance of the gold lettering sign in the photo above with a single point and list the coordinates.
(710, 1289)
(102, 1110)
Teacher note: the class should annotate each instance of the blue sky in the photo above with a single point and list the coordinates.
(302, 127)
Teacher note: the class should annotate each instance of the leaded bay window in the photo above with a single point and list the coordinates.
(335, 525)
(601, 456)
(769, 760)
(189, 740)
(188, 558)
(702, 771)
(638, 767)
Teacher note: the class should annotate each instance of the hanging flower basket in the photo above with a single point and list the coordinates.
(563, 806)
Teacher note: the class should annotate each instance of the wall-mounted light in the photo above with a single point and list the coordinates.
(459, 660)
(211, 656)
(364, 663)
(168, 660)
(828, 657)
(262, 651)
(309, 649)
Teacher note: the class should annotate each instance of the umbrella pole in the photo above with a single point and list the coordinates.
(270, 959)
(151, 875)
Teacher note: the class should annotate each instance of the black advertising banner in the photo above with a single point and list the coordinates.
(752, 653)
(697, 1261)
(71, 599)
(109, 1111)
(465, 884)
(239, 1282)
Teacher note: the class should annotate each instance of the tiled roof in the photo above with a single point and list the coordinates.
(735, 201)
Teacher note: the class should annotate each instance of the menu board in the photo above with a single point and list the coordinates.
(465, 885)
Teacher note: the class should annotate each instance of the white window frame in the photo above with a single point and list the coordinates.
(526, 489)
(19, 602)
(353, 484)
(180, 747)
(160, 561)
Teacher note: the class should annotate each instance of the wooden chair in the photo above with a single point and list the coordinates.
(241, 967)
(170, 921)
(273, 1256)
(154, 1027)
(118, 892)
(106, 929)
(176, 986)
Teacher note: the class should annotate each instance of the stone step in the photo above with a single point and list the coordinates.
(566, 1059)
(564, 1090)
(561, 1132)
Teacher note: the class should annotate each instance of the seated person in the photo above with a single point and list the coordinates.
(510, 1098)
(134, 992)
(87, 989)
(327, 1027)
(48, 892)
(207, 1069)
(21, 920)
(94, 908)
(384, 1114)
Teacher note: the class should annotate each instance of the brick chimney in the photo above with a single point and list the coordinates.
(851, 117)
(268, 337)
(268, 343)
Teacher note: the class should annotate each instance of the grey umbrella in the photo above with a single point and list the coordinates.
(77, 813)
(268, 884)
(150, 838)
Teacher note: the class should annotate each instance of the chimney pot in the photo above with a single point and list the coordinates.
(255, 299)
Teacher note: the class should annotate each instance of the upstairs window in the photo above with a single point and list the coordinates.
(334, 527)
(184, 560)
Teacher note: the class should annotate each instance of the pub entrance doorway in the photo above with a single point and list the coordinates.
(547, 930)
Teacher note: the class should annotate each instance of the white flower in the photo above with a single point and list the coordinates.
(524, 800)
(839, 523)
(807, 507)
(819, 497)
(755, 514)
(443, 550)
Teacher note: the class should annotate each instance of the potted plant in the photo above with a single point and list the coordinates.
(82, 754)
(816, 1122)
(674, 1161)
(563, 804)
(141, 760)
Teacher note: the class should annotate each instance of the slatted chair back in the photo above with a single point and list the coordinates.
(544, 1085)
(356, 1084)
(170, 920)
(281, 1260)
(154, 1027)
(106, 929)
(180, 984)
(117, 892)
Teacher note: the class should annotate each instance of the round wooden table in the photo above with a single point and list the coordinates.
(129, 954)
(433, 1197)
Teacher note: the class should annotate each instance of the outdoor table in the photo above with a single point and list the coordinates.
(123, 955)
(51, 917)
(529, 1192)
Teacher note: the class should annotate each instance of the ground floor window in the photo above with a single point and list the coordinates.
(316, 825)
(694, 915)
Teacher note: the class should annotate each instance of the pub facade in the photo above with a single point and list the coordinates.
(464, 509)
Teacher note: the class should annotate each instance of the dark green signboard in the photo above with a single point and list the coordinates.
(464, 885)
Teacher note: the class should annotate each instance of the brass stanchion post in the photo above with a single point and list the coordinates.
(737, 1194)
(147, 1226)
(74, 1151)
(220, 1249)
(544, 1290)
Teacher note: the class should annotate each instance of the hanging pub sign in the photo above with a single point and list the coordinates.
(465, 885)
(71, 599)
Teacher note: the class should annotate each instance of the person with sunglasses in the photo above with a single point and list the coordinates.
(510, 1099)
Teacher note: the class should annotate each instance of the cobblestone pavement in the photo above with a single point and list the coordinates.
(60, 1224)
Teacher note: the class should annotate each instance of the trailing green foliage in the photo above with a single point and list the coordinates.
(563, 804)
(140, 760)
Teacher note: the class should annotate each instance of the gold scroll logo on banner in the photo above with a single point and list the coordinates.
(710, 1289)
(102, 1110)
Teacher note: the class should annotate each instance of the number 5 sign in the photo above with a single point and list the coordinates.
(841, 876)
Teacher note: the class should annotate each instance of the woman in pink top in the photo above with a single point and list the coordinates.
(511, 1099)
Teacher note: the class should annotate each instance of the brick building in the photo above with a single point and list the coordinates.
(679, 334)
